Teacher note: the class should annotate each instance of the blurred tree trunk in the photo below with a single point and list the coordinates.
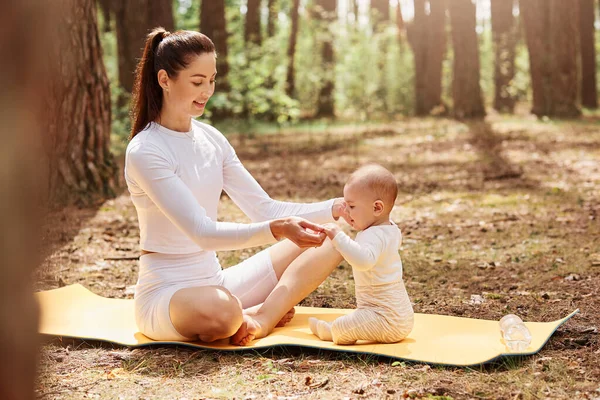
(272, 20)
(466, 91)
(134, 20)
(400, 22)
(252, 28)
(25, 69)
(213, 24)
(550, 26)
(427, 37)
(589, 91)
(355, 10)
(325, 13)
(81, 167)
(505, 35)
(380, 13)
(105, 6)
(291, 83)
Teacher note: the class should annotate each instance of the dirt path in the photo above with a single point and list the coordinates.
(507, 210)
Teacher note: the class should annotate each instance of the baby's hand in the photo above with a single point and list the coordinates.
(331, 230)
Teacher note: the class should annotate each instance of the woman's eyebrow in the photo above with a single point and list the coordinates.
(202, 75)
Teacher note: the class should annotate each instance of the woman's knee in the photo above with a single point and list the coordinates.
(213, 314)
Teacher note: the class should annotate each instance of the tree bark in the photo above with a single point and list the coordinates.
(213, 25)
(589, 91)
(25, 71)
(81, 167)
(505, 34)
(466, 91)
(134, 20)
(325, 14)
(252, 28)
(427, 37)
(550, 26)
(272, 19)
(291, 83)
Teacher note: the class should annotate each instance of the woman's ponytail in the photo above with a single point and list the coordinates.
(147, 93)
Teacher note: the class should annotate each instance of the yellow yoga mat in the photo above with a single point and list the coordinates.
(73, 311)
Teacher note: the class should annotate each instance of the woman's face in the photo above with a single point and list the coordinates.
(189, 92)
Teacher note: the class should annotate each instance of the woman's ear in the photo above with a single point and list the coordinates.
(378, 207)
(163, 79)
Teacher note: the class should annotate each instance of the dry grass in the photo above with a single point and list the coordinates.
(506, 209)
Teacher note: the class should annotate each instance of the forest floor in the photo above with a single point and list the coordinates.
(507, 209)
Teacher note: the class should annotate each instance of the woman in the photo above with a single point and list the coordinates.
(175, 169)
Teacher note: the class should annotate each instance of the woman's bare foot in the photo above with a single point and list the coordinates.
(249, 330)
(286, 318)
(282, 322)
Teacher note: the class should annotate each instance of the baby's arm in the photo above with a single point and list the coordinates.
(362, 254)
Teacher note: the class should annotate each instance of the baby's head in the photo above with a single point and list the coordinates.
(370, 193)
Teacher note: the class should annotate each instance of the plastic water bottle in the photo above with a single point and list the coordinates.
(516, 335)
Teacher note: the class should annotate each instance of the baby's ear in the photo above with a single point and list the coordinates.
(378, 207)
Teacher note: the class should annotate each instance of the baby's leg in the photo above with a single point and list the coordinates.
(320, 329)
(361, 324)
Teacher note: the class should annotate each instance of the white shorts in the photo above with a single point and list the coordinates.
(161, 275)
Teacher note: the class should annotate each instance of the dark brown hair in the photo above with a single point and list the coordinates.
(163, 50)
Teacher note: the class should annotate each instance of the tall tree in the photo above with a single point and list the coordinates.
(252, 28)
(273, 6)
(291, 83)
(380, 12)
(466, 91)
(213, 25)
(589, 91)
(81, 167)
(325, 12)
(427, 37)
(24, 67)
(134, 19)
(400, 21)
(505, 35)
(550, 26)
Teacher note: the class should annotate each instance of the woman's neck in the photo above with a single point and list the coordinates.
(173, 121)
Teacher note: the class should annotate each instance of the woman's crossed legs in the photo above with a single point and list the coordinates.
(214, 312)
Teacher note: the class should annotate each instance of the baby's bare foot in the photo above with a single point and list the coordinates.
(320, 329)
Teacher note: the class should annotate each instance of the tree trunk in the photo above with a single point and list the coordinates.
(589, 92)
(291, 83)
(25, 70)
(252, 29)
(466, 91)
(380, 13)
(355, 10)
(81, 167)
(505, 35)
(213, 25)
(325, 14)
(272, 20)
(550, 26)
(400, 22)
(105, 6)
(134, 20)
(427, 37)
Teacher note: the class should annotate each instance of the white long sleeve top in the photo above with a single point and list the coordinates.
(175, 180)
(373, 255)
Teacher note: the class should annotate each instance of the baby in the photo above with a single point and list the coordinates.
(384, 313)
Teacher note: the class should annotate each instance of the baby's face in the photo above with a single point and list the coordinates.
(360, 206)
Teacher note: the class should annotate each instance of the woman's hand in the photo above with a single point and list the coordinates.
(339, 209)
(300, 231)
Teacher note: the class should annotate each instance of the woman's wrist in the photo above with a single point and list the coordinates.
(277, 228)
